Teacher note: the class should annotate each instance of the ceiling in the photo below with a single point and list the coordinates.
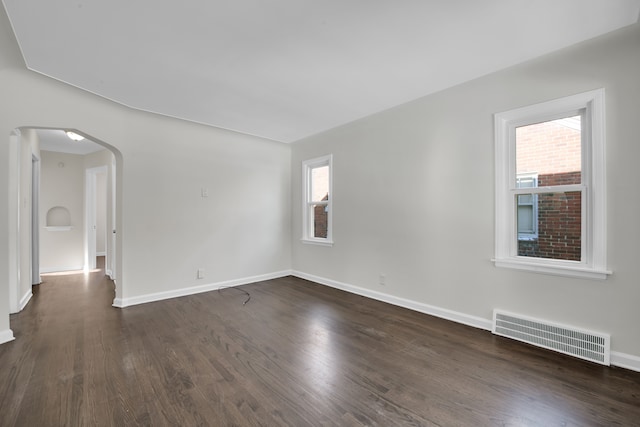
(57, 140)
(287, 69)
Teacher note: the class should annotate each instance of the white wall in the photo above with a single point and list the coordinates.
(414, 197)
(10, 58)
(166, 229)
(242, 229)
(62, 184)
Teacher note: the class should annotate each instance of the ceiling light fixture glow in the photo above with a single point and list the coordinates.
(74, 136)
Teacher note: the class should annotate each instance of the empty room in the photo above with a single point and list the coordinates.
(319, 213)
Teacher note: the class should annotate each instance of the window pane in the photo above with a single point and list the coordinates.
(525, 220)
(552, 150)
(320, 183)
(559, 227)
(319, 221)
(525, 199)
(528, 182)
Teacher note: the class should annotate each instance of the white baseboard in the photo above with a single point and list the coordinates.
(6, 336)
(621, 360)
(476, 322)
(60, 269)
(25, 300)
(159, 296)
(101, 254)
(626, 361)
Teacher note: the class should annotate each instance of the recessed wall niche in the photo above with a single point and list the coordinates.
(58, 219)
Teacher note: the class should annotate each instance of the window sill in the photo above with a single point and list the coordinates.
(317, 242)
(553, 269)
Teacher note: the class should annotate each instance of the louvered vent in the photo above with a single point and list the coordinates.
(586, 345)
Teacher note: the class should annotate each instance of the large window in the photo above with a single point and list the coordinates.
(316, 221)
(550, 201)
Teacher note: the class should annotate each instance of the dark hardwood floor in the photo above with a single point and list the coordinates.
(297, 354)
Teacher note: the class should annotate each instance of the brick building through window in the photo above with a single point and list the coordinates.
(321, 219)
(549, 224)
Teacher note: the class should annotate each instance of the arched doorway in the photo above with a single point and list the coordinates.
(23, 205)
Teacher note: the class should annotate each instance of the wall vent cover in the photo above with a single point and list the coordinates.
(588, 345)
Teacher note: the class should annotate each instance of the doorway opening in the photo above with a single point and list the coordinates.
(54, 180)
(95, 215)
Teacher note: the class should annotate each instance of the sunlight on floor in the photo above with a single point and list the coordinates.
(67, 273)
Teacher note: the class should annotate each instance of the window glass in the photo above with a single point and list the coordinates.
(320, 183)
(320, 221)
(527, 209)
(557, 228)
(526, 218)
(552, 150)
(549, 154)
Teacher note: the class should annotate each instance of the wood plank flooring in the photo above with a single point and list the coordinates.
(297, 354)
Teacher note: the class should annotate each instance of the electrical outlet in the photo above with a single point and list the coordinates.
(382, 279)
(204, 192)
(200, 273)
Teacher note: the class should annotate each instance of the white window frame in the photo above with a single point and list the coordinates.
(308, 203)
(593, 263)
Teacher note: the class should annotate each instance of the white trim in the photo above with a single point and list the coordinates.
(594, 262)
(555, 270)
(319, 242)
(159, 296)
(455, 316)
(58, 227)
(61, 269)
(110, 261)
(25, 299)
(103, 253)
(35, 218)
(618, 359)
(626, 361)
(6, 336)
(14, 221)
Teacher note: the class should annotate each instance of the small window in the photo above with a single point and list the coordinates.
(550, 200)
(316, 221)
